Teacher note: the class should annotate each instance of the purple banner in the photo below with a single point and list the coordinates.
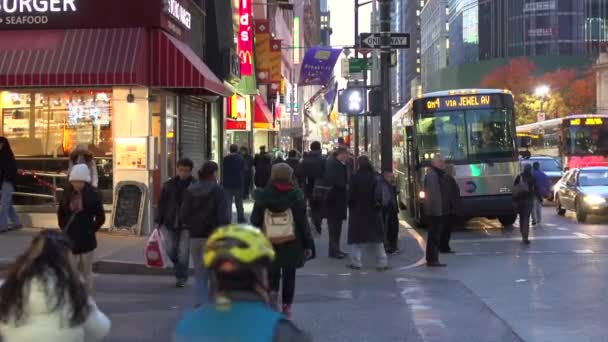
(318, 66)
(330, 96)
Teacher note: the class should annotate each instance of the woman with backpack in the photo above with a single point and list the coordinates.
(280, 211)
(365, 226)
(524, 191)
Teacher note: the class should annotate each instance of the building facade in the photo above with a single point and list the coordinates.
(405, 17)
(434, 40)
(463, 19)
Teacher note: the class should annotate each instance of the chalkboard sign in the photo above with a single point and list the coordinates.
(129, 205)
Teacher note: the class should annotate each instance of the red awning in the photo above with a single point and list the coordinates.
(173, 64)
(262, 118)
(87, 57)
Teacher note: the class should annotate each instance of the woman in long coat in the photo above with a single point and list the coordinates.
(365, 227)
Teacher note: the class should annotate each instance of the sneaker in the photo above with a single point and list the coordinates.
(382, 268)
(180, 283)
(435, 264)
(287, 311)
(353, 267)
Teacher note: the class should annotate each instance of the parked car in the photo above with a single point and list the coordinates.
(550, 166)
(583, 190)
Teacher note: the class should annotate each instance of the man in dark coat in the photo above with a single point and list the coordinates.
(436, 207)
(233, 178)
(454, 212)
(336, 177)
(167, 219)
(248, 171)
(365, 226)
(312, 170)
(262, 163)
(294, 163)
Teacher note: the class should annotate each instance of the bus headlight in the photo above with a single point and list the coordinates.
(421, 195)
(594, 200)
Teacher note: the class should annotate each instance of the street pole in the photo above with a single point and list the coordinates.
(356, 118)
(365, 129)
(386, 128)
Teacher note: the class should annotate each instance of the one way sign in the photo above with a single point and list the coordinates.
(373, 40)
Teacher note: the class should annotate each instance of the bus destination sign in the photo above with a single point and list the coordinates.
(586, 121)
(459, 102)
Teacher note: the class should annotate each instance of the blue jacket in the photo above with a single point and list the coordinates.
(237, 321)
(543, 185)
(233, 171)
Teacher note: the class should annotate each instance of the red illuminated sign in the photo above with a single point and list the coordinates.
(245, 40)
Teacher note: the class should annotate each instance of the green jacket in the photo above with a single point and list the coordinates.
(280, 198)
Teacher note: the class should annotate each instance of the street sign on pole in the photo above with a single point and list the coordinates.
(357, 65)
(372, 40)
(541, 116)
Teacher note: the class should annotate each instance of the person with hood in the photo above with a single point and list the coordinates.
(80, 216)
(336, 178)
(454, 212)
(233, 178)
(248, 172)
(390, 212)
(543, 188)
(177, 239)
(8, 173)
(205, 207)
(312, 171)
(238, 257)
(524, 190)
(281, 198)
(436, 208)
(262, 164)
(365, 228)
(294, 163)
(81, 155)
(43, 297)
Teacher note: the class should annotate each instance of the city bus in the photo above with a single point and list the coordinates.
(474, 130)
(577, 140)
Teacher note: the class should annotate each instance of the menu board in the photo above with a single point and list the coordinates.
(131, 153)
(129, 206)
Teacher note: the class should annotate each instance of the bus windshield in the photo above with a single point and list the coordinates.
(470, 135)
(586, 140)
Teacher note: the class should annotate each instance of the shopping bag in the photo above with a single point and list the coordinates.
(155, 251)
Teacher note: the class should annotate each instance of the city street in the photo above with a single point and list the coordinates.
(494, 289)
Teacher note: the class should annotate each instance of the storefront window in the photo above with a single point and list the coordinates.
(44, 127)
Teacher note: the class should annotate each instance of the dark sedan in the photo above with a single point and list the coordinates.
(585, 191)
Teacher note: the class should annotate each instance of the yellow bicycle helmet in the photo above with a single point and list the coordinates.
(239, 243)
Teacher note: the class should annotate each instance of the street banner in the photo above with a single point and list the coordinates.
(262, 50)
(275, 61)
(330, 96)
(318, 66)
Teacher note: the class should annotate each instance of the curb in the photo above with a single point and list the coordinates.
(421, 243)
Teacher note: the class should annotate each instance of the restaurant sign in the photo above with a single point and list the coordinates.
(18, 12)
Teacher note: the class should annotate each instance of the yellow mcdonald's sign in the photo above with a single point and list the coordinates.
(245, 57)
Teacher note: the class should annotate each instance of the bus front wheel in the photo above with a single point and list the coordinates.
(507, 220)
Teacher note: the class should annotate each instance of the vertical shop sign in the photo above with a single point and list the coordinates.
(262, 51)
(245, 39)
(275, 61)
(296, 40)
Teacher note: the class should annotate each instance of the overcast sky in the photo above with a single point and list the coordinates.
(343, 24)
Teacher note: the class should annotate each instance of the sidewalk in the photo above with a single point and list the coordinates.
(123, 254)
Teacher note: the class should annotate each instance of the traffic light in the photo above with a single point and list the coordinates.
(352, 101)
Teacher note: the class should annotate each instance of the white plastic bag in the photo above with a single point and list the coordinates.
(156, 257)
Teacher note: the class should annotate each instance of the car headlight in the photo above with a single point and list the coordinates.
(594, 199)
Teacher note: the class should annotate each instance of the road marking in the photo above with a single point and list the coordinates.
(601, 236)
(521, 280)
(549, 224)
(538, 238)
(562, 229)
(582, 235)
(421, 243)
(583, 251)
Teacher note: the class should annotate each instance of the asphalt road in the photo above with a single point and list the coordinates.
(494, 289)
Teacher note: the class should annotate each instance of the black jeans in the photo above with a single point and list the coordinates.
(247, 186)
(524, 209)
(391, 226)
(236, 196)
(288, 277)
(446, 233)
(433, 238)
(335, 232)
(316, 214)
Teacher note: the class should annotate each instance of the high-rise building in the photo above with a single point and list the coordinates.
(405, 17)
(463, 18)
(596, 25)
(434, 41)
